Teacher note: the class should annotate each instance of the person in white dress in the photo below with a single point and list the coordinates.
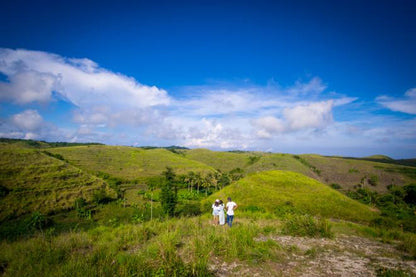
(216, 211)
(221, 213)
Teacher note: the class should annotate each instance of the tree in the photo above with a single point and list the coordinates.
(169, 196)
(410, 197)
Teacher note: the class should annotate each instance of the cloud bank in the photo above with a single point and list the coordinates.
(112, 108)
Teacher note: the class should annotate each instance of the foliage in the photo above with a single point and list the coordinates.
(3, 191)
(373, 180)
(410, 197)
(390, 272)
(101, 197)
(306, 225)
(335, 186)
(253, 159)
(169, 196)
(395, 209)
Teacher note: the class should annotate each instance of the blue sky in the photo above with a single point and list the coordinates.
(326, 77)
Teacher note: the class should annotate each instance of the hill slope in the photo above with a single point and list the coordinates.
(248, 161)
(34, 181)
(127, 162)
(346, 172)
(349, 172)
(275, 191)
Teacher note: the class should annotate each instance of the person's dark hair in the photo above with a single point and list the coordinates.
(229, 198)
(221, 201)
(216, 204)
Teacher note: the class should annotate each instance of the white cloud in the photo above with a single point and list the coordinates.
(302, 117)
(35, 75)
(314, 115)
(406, 104)
(266, 126)
(313, 87)
(29, 86)
(29, 120)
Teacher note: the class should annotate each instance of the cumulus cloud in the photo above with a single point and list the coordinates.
(28, 124)
(406, 104)
(28, 86)
(29, 120)
(314, 115)
(302, 117)
(34, 75)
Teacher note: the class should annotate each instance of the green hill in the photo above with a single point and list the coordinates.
(248, 161)
(277, 191)
(128, 163)
(34, 181)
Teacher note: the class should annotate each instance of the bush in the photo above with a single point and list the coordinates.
(335, 186)
(373, 180)
(3, 191)
(410, 197)
(306, 225)
(100, 197)
(189, 209)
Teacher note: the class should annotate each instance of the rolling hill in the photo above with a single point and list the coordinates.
(128, 163)
(34, 181)
(284, 191)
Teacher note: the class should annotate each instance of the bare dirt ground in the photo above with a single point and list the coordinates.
(342, 256)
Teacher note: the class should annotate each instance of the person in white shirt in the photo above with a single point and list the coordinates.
(231, 206)
(216, 211)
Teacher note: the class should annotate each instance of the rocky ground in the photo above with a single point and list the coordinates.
(341, 256)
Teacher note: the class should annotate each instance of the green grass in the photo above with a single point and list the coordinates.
(38, 182)
(177, 247)
(128, 163)
(279, 192)
(248, 161)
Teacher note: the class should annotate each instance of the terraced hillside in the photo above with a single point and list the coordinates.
(348, 173)
(34, 181)
(283, 191)
(127, 162)
(351, 172)
(248, 161)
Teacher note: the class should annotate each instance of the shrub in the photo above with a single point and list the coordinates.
(373, 180)
(100, 197)
(189, 209)
(3, 191)
(306, 225)
(335, 186)
(410, 197)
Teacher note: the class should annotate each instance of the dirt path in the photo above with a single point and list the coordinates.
(342, 256)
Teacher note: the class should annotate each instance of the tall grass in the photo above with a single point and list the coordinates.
(176, 247)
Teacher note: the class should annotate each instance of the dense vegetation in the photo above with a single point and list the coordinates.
(91, 209)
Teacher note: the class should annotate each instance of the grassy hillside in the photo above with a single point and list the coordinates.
(280, 191)
(127, 162)
(248, 161)
(351, 172)
(33, 181)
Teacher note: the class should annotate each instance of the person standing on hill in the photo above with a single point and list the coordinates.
(216, 211)
(221, 213)
(231, 206)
